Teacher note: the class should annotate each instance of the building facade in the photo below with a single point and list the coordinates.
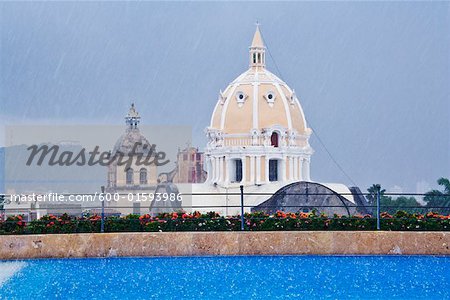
(190, 166)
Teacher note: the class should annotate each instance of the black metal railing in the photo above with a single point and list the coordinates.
(373, 215)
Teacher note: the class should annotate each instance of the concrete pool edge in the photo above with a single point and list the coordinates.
(224, 243)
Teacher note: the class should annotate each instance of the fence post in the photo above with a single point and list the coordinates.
(102, 223)
(378, 206)
(242, 207)
(2, 207)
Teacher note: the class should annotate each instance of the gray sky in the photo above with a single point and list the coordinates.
(373, 78)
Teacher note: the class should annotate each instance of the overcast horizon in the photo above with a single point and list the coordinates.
(372, 78)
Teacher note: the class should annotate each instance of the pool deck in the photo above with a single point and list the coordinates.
(224, 243)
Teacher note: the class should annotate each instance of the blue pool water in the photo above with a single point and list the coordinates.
(338, 277)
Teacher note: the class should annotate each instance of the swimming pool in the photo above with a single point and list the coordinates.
(393, 277)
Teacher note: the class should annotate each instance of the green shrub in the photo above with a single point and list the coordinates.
(211, 221)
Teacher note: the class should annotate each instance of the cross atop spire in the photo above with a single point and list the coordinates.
(257, 49)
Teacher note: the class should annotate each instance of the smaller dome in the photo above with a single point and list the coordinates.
(132, 140)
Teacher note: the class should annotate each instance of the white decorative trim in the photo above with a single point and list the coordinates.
(286, 105)
(298, 105)
(293, 97)
(225, 108)
(255, 102)
(217, 105)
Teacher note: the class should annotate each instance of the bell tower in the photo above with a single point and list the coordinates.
(257, 50)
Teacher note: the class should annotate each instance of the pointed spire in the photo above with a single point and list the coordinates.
(132, 119)
(257, 50)
(257, 38)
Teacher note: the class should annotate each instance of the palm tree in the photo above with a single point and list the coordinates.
(373, 190)
(436, 198)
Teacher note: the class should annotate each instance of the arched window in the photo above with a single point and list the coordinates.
(129, 172)
(274, 139)
(143, 176)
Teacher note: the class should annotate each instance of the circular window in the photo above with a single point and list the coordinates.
(270, 97)
(240, 97)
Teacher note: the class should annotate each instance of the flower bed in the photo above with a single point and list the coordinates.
(196, 221)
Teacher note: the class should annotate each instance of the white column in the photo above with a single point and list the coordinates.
(291, 168)
(227, 170)
(216, 169)
(266, 177)
(210, 169)
(258, 169)
(306, 167)
(252, 169)
(284, 168)
(301, 169)
(296, 172)
(220, 175)
(244, 169)
(208, 172)
(222, 169)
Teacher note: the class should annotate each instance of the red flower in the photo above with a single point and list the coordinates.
(303, 215)
(50, 224)
(281, 214)
(385, 215)
(146, 216)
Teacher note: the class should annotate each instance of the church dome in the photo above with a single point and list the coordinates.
(257, 99)
(258, 132)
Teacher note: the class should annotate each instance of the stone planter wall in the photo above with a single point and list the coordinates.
(224, 243)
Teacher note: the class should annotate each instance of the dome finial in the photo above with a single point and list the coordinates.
(257, 49)
(132, 119)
